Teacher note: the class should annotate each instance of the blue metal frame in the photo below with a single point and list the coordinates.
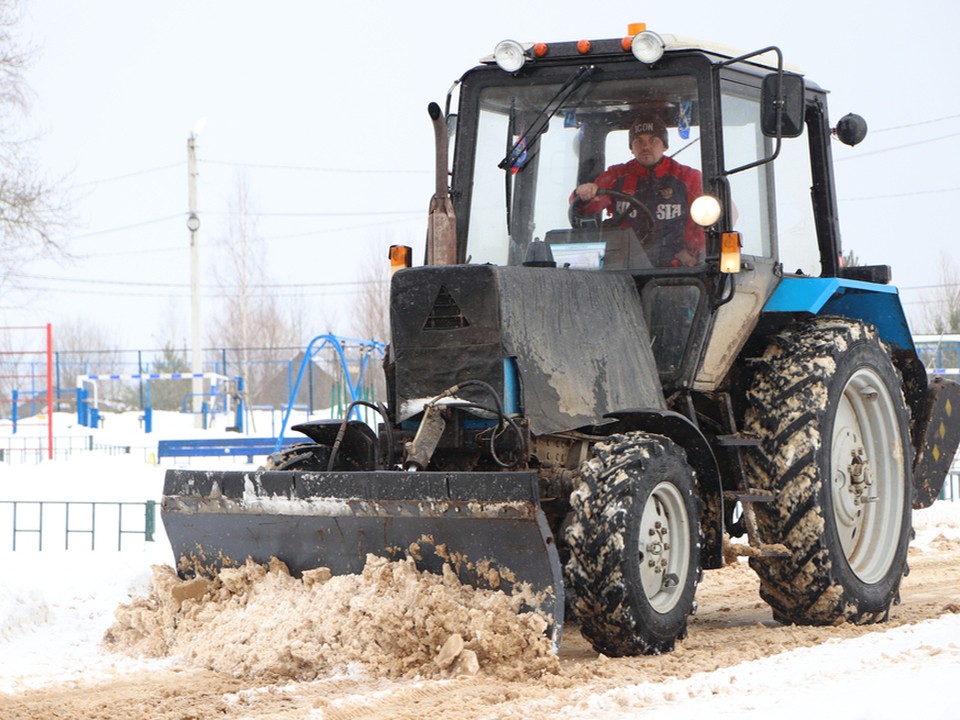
(353, 387)
(872, 302)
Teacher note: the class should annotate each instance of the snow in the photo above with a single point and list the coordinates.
(864, 677)
(55, 605)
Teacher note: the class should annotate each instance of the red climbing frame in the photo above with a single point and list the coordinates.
(26, 375)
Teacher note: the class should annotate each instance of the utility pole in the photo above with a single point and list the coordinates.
(193, 225)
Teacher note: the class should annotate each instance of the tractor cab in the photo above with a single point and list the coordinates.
(537, 121)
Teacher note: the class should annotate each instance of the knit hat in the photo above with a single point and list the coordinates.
(649, 126)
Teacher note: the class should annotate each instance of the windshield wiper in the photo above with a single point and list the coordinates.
(524, 148)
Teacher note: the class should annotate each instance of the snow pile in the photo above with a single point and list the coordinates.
(394, 620)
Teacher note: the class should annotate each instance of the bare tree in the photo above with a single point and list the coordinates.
(85, 348)
(30, 207)
(941, 313)
(257, 332)
(372, 321)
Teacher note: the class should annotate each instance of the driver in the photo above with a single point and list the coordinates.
(660, 183)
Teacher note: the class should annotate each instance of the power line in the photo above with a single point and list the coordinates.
(376, 213)
(128, 175)
(182, 215)
(304, 168)
(139, 283)
(897, 147)
(122, 228)
(901, 195)
(917, 124)
(938, 286)
(186, 295)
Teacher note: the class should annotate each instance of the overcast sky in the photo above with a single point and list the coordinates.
(321, 112)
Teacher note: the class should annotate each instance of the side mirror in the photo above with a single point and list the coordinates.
(783, 92)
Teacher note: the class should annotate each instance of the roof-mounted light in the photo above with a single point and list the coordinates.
(509, 55)
(647, 47)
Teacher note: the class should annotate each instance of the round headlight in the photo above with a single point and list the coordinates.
(509, 55)
(705, 210)
(647, 47)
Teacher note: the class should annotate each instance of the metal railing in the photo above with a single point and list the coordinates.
(951, 485)
(72, 518)
(26, 450)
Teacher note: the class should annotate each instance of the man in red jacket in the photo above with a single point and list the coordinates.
(661, 184)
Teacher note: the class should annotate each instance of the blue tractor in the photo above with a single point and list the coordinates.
(602, 374)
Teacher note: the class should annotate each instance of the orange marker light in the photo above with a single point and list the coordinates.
(730, 252)
(583, 46)
(636, 28)
(626, 42)
(400, 257)
(540, 49)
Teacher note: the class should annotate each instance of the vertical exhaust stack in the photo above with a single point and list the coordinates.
(442, 221)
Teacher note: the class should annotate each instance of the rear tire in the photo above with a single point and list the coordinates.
(634, 543)
(835, 451)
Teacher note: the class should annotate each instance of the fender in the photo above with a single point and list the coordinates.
(359, 442)
(700, 455)
(874, 303)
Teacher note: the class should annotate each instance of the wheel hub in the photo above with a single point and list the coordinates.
(663, 518)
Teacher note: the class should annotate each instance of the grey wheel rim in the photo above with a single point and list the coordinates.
(866, 479)
(664, 546)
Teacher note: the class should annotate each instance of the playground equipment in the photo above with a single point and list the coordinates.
(88, 411)
(352, 387)
(13, 375)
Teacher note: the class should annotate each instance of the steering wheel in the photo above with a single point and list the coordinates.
(645, 236)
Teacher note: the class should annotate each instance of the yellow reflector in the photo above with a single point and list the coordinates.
(730, 252)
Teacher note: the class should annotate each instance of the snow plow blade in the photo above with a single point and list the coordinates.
(488, 527)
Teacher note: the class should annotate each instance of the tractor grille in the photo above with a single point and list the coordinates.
(445, 314)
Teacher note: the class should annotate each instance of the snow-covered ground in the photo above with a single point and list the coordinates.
(56, 604)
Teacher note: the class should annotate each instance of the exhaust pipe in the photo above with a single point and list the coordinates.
(441, 221)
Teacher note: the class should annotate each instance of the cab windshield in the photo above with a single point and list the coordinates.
(537, 143)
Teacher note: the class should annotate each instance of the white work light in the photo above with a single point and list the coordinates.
(509, 55)
(705, 210)
(647, 47)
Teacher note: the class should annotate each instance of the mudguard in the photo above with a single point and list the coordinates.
(938, 436)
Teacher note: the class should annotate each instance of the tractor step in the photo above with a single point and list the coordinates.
(756, 547)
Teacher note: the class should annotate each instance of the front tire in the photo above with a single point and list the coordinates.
(835, 451)
(634, 544)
